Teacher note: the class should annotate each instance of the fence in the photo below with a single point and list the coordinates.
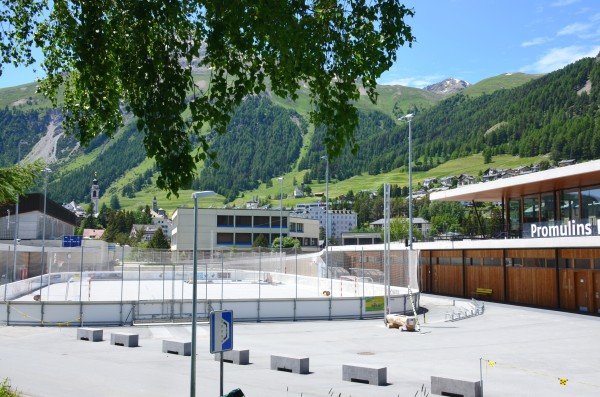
(152, 285)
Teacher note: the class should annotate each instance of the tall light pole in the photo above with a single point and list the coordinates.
(46, 172)
(14, 274)
(327, 222)
(409, 118)
(195, 196)
(280, 179)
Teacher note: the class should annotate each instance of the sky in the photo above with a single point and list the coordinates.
(473, 40)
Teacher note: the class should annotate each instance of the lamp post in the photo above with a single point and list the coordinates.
(195, 196)
(14, 274)
(327, 223)
(409, 118)
(280, 179)
(46, 172)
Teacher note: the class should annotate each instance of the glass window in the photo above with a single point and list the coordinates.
(569, 204)
(531, 209)
(590, 203)
(515, 215)
(547, 208)
(582, 263)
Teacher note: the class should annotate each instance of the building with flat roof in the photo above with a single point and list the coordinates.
(239, 228)
(548, 253)
(340, 221)
(59, 221)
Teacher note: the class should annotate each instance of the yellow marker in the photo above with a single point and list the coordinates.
(563, 381)
(491, 363)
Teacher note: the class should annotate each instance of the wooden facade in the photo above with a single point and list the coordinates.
(561, 278)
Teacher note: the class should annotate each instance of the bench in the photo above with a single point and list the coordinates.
(364, 374)
(455, 387)
(239, 357)
(124, 339)
(483, 291)
(177, 347)
(89, 334)
(297, 365)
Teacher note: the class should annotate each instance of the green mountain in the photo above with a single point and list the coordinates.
(511, 114)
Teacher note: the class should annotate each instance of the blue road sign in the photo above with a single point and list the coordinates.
(71, 241)
(221, 331)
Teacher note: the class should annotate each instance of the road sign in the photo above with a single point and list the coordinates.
(221, 331)
(71, 241)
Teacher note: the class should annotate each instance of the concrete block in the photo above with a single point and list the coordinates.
(177, 347)
(297, 365)
(239, 357)
(364, 374)
(89, 334)
(455, 387)
(124, 339)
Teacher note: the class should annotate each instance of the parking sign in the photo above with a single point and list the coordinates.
(221, 331)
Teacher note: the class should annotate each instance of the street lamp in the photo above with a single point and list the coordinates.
(14, 274)
(196, 196)
(327, 224)
(409, 118)
(280, 179)
(46, 172)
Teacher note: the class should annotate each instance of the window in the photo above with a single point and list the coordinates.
(225, 238)
(515, 215)
(225, 221)
(243, 221)
(531, 209)
(548, 208)
(569, 205)
(590, 203)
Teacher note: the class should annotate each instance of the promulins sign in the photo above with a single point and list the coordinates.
(567, 229)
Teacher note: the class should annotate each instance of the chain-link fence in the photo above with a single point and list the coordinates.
(159, 283)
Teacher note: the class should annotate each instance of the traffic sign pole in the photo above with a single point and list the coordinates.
(221, 336)
(221, 393)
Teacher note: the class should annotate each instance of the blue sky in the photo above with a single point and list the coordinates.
(476, 39)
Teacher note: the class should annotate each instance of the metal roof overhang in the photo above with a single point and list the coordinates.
(584, 174)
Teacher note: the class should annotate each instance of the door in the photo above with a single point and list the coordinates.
(581, 285)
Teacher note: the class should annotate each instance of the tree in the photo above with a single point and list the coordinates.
(399, 230)
(115, 204)
(328, 46)
(159, 240)
(288, 242)
(487, 155)
(260, 241)
(17, 179)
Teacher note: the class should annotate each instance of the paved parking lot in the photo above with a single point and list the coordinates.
(532, 349)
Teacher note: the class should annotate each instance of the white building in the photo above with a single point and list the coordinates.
(239, 228)
(340, 221)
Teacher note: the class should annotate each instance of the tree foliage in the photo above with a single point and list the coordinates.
(159, 240)
(143, 54)
(17, 179)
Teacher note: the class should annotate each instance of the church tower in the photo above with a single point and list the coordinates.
(95, 194)
(154, 204)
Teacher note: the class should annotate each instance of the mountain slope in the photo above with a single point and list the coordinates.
(500, 82)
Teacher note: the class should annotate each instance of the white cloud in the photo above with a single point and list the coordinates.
(562, 3)
(556, 58)
(574, 28)
(535, 41)
(416, 81)
(595, 17)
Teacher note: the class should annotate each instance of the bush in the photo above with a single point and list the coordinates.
(6, 390)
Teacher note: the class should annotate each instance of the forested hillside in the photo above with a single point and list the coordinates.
(262, 141)
(111, 163)
(554, 114)
(16, 125)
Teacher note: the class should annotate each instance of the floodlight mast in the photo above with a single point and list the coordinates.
(196, 196)
(409, 118)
